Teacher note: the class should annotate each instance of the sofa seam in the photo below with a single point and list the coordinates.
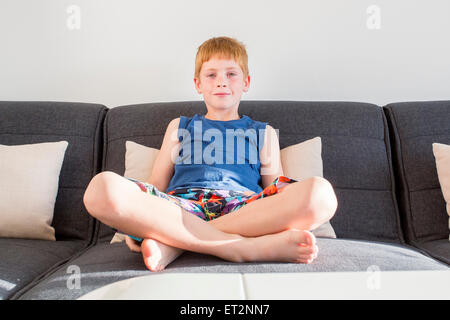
(105, 142)
(98, 163)
(408, 216)
(96, 227)
(102, 168)
(388, 149)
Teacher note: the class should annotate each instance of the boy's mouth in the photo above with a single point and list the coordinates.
(221, 94)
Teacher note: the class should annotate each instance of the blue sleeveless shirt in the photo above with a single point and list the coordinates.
(218, 154)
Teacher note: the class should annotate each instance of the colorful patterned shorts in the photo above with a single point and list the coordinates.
(209, 204)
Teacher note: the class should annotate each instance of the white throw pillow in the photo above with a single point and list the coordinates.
(304, 160)
(29, 180)
(442, 155)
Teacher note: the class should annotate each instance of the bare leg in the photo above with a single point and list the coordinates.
(302, 205)
(120, 203)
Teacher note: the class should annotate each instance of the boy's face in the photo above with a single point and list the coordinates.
(221, 83)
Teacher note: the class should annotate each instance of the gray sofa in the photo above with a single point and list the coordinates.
(391, 211)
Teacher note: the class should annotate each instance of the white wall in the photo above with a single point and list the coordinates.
(140, 51)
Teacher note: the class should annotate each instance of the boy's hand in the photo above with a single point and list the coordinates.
(133, 244)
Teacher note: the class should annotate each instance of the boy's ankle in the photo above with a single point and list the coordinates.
(238, 251)
(244, 251)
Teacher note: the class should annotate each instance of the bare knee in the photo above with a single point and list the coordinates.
(322, 201)
(314, 202)
(100, 197)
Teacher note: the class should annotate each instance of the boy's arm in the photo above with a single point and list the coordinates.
(270, 158)
(163, 168)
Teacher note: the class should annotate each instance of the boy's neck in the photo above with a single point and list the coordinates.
(222, 116)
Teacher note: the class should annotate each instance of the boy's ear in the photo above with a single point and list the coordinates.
(246, 84)
(197, 85)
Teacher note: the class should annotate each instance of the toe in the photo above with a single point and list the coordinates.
(148, 263)
(304, 238)
(152, 265)
(305, 250)
(146, 248)
(305, 259)
(310, 238)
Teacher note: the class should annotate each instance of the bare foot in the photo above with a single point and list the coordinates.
(298, 246)
(158, 255)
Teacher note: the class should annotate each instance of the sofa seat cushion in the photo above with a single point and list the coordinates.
(107, 263)
(438, 249)
(24, 260)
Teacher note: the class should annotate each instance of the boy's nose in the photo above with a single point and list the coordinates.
(221, 81)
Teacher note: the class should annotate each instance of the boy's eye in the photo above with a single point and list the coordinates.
(230, 74)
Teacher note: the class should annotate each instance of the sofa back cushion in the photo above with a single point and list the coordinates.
(414, 127)
(80, 124)
(355, 152)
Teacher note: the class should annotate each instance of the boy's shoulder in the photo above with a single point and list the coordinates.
(173, 124)
(174, 121)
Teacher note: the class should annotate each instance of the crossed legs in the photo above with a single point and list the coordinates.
(268, 229)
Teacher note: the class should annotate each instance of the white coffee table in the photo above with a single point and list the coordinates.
(372, 284)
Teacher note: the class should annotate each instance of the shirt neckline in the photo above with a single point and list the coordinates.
(202, 116)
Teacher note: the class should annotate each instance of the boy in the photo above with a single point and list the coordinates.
(250, 224)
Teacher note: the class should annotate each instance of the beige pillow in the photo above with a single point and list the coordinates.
(442, 155)
(29, 180)
(139, 160)
(304, 160)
